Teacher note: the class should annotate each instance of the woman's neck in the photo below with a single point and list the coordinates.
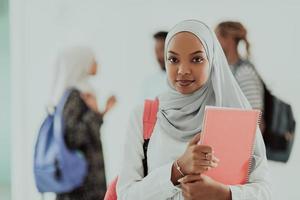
(232, 57)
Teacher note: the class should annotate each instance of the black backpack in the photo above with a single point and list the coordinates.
(279, 129)
(279, 123)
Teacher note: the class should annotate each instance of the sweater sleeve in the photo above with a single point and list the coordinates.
(251, 85)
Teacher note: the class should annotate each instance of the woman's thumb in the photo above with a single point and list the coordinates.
(195, 139)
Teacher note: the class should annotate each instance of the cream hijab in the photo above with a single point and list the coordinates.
(181, 115)
(72, 71)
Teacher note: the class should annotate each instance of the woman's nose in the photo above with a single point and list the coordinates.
(183, 69)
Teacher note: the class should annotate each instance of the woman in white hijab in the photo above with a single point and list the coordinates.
(198, 75)
(82, 118)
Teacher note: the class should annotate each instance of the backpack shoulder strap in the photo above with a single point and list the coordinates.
(149, 117)
(149, 120)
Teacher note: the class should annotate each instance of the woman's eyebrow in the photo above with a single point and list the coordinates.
(196, 52)
(199, 51)
(172, 52)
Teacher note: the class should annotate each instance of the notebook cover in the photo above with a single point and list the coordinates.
(231, 134)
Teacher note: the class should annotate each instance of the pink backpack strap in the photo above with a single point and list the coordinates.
(111, 192)
(149, 117)
(149, 120)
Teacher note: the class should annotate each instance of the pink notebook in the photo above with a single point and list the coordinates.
(231, 134)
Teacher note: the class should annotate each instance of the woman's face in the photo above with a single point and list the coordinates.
(93, 69)
(187, 64)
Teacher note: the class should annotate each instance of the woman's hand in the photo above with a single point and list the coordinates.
(203, 187)
(110, 103)
(197, 158)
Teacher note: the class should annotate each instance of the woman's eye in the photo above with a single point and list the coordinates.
(198, 60)
(173, 60)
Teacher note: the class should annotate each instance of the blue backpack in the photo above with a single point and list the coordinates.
(56, 168)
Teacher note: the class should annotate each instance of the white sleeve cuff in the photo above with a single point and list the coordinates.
(236, 192)
(165, 182)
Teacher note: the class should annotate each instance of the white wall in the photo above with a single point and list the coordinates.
(121, 33)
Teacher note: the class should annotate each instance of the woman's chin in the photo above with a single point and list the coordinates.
(185, 90)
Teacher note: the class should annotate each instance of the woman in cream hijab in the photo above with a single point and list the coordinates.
(82, 118)
(198, 75)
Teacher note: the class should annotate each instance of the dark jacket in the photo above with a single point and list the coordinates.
(82, 127)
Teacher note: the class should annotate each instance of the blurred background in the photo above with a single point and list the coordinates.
(5, 131)
(33, 31)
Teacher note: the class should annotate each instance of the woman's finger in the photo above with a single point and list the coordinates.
(215, 159)
(203, 149)
(190, 179)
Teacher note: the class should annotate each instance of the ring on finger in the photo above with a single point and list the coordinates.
(206, 156)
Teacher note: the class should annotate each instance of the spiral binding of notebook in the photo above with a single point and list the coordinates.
(252, 150)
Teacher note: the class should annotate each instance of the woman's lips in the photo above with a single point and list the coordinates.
(184, 83)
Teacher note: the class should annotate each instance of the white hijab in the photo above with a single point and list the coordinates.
(180, 115)
(72, 71)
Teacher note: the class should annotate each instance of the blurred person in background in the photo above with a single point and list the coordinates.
(156, 83)
(160, 38)
(82, 118)
(230, 35)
